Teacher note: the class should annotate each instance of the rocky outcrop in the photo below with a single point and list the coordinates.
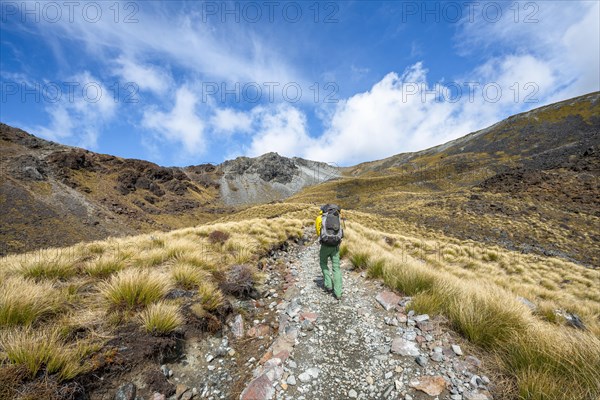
(270, 177)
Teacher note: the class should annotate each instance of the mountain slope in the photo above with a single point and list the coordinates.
(55, 195)
(528, 183)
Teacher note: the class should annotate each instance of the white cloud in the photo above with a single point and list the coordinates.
(78, 117)
(393, 117)
(228, 121)
(181, 124)
(147, 77)
(561, 41)
(281, 128)
(221, 52)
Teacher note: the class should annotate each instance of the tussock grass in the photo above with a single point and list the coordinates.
(23, 302)
(37, 349)
(133, 288)
(187, 275)
(343, 250)
(127, 274)
(161, 318)
(211, 297)
(105, 266)
(542, 360)
(150, 258)
(48, 269)
(409, 277)
(553, 363)
(486, 317)
(360, 260)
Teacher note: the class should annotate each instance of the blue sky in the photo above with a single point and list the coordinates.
(181, 83)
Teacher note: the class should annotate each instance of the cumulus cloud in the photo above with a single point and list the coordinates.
(228, 121)
(145, 76)
(398, 114)
(182, 124)
(557, 38)
(79, 114)
(281, 128)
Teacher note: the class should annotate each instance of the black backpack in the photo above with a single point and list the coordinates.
(331, 228)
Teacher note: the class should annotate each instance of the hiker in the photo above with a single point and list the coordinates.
(330, 233)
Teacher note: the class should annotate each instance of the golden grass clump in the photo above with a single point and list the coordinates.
(59, 268)
(24, 302)
(187, 275)
(105, 266)
(211, 297)
(161, 318)
(42, 348)
(132, 288)
(552, 362)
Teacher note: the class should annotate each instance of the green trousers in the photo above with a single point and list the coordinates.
(325, 254)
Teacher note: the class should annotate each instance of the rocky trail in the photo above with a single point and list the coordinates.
(364, 346)
(299, 342)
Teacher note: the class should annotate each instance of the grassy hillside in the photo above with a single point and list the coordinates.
(478, 289)
(70, 314)
(65, 312)
(530, 183)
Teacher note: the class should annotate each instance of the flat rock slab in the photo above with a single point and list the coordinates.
(260, 388)
(432, 385)
(475, 395)
(309, 316)
(259, 330)
(404, 347)
(388, 300)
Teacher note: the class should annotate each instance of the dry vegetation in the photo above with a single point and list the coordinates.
(59, 307)
(477, 288)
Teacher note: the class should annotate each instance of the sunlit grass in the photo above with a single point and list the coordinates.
(133, 288)
(161, 318)
(23, 302)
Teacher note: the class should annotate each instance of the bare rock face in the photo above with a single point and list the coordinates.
(269, 177)
(270, 167)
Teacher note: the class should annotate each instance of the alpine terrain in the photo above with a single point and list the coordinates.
(471, 271)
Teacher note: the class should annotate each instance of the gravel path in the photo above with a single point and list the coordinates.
(356, 348)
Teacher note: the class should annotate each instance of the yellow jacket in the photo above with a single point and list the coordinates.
(319, 222)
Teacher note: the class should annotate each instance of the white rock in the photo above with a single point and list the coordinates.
(314, 372)
(370, 380)
(421, 318)
(352, 394)
(304, 377)
(291, 380)
(457, 350)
